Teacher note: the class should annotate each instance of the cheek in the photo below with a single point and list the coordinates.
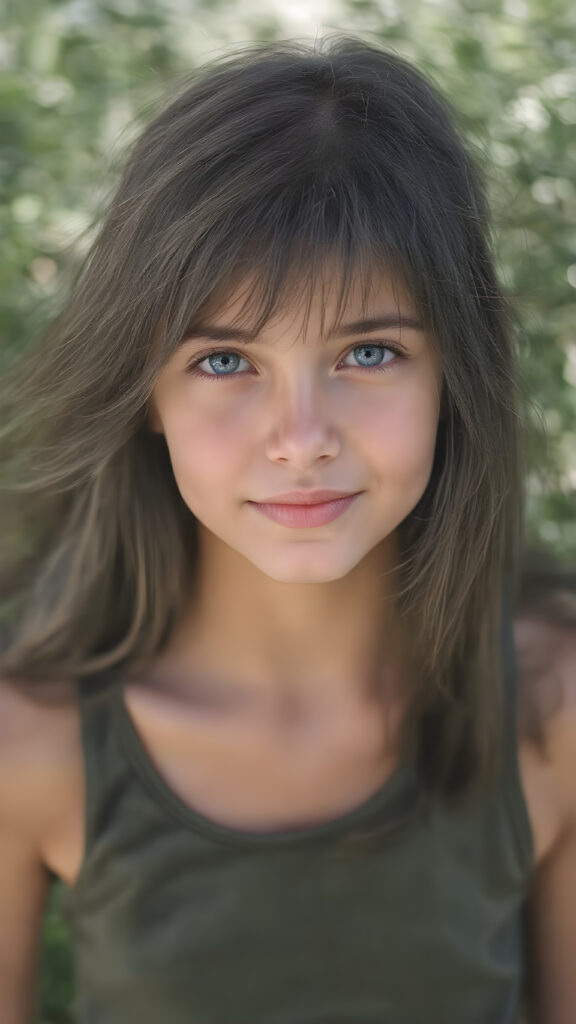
(401, 429)
(204, 448)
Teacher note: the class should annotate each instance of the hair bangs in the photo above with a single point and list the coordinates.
(304, 249)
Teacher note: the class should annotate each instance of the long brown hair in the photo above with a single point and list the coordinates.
(270, 162)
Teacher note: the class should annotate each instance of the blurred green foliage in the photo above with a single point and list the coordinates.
(78, 77)
(56, 979)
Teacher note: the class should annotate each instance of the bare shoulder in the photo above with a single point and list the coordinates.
(546, 661)
(39, 748)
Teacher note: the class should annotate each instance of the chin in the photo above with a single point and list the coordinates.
(306, 569)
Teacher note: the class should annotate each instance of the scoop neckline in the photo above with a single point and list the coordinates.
(390, 796)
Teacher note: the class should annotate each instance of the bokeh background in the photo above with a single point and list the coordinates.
(79, 77)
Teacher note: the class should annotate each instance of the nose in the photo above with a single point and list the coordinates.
(303, 428)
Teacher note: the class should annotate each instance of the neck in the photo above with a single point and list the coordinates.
(288, 643)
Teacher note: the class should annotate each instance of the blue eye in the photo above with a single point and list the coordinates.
(369, 353)
(225, 362)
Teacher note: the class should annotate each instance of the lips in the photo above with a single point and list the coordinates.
(297, 514)
(306, 497)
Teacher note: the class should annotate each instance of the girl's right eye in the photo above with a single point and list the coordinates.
(224, 362)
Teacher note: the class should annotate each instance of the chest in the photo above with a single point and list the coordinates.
(251, 775)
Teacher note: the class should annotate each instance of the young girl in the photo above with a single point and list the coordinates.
(259, 709)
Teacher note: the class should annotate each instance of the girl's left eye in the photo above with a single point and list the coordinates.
(224, 362)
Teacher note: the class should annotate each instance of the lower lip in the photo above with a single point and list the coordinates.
(306, 515)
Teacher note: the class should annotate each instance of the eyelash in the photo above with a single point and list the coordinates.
(193, 367)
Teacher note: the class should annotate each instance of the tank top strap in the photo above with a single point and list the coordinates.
(104, 766)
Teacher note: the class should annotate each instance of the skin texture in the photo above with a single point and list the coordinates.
(301, 610)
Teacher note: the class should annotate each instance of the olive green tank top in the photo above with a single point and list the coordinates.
(175, 919)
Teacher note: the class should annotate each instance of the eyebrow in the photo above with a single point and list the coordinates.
(376, 323)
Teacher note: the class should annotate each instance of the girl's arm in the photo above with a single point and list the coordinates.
(24, 879)
(552, 905)
(23, 888)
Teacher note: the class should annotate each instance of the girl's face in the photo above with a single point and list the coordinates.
(355, 411)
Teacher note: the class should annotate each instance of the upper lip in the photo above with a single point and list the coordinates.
(306, 497)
